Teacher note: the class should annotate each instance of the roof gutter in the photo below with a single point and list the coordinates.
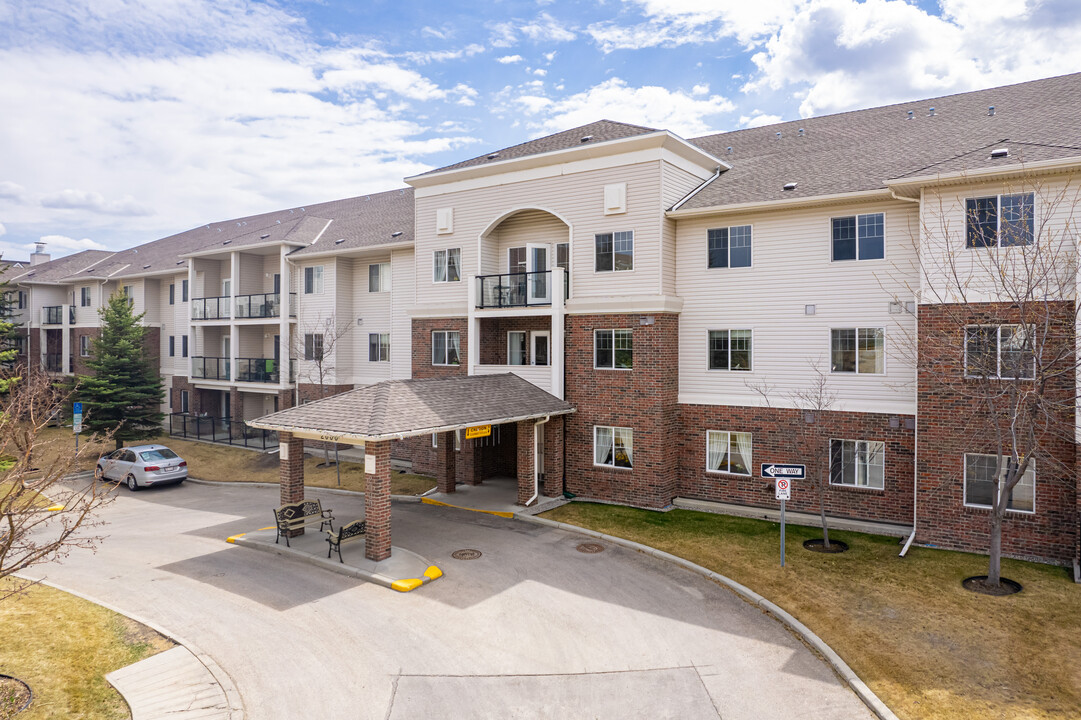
(988, 173)
(786, 203)
(345, 252)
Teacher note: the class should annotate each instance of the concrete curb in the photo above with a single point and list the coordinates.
(872, 701)
(232, 695)
(313, 488)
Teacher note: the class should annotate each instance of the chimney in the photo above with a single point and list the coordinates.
(39, 255)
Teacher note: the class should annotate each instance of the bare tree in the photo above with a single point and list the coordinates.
(317, 344)
(42, 513)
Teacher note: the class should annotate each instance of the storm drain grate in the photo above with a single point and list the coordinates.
(590, 548)
(466, 554)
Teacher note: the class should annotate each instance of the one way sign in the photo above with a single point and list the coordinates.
(776, 470)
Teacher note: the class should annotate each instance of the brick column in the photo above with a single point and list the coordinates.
(553, 457)
(236, 406)
(445, 470)
(377, 502)
(291, 471)
(525, 461)
(467, 462)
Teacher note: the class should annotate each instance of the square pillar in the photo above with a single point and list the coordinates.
(291, 471)
(445, 470)
(525, 461)
(553, 457)
(377, 501)
(468, 463)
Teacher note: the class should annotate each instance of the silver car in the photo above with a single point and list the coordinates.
(142, 466)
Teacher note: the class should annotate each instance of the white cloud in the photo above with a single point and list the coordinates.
(758, 119)
(670, 23)
(3, 230)
(11, 191)
(95, 202)
(430, 56)
(539, 72)
(543, 29)
(550, 56)
(66, 243)
(508, 59)
(702, 89)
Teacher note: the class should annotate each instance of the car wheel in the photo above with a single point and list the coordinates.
(132, 484)
(99, 473)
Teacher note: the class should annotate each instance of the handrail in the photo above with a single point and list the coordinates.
(521, 289)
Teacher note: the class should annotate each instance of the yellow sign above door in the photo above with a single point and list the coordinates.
(478, 431)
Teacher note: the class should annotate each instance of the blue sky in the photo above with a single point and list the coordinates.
(126, 121)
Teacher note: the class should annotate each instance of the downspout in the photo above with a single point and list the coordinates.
(536, 475)
(916, 417)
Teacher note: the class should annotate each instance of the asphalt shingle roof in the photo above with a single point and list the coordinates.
(396, 408)
(55, 271)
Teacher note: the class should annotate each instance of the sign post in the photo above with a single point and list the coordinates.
(77, 422)
(782, 476)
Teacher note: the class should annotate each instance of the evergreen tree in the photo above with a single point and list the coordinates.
(9, 332)
(125, 392)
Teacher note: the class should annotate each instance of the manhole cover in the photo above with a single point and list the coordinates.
(467, 554)
(590, 548)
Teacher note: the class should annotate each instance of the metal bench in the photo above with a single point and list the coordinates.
(293, 516)
(346, 533)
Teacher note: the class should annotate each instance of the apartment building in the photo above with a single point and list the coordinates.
(688, 297)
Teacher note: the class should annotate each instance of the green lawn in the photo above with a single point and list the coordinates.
(925, 645)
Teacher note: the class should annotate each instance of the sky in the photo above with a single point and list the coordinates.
(124, 121)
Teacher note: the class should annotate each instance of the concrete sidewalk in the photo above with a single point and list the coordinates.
(172, 684)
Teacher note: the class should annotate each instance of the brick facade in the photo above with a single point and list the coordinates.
(422, 347)
(493, 333)
(291, 472)
(77, 334)
(377, 539)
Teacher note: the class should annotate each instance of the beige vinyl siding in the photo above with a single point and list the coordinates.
(271, 267)
(376, 312)
(524, 228)
(179, 324)
(208, 276)
(151, 295)
(791, 258)
(250, 342)
(168, 326)
(42, 296)
(676, 183)
(578, 199)
(89, 315)
(313, 315)
(403, 288)
(345, 317)
(251, 280)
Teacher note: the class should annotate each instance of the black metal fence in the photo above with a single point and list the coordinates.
(220, 430)
(263, 305)
(210, 308)
(210, 368)
(517, 289)
(52, 315)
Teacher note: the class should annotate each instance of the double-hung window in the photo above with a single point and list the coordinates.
(980, 485)
(859, 237)
(183, 401)
(728, 452)
(379, 277)
(516, 260)
(729, 349)
(313, 346)
(172, 293)
(1003, 220)
(313, 280)
(129, 295)
(516, 347)
(172, 346)
(84, 346)
(613, 349)
(378, 347)
(729, 247)
(183, 291)
(447, 265)
(613, 446)
(614, 251)
(1002, 351)
(22, 299)
(858, 463)
(183, 346)
(858, 350)
(84, 297)
(445, 347)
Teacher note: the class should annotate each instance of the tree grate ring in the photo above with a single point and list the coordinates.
(466, 554)
(590, 548)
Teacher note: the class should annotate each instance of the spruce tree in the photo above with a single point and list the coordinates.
(9, 332)
(125, 392)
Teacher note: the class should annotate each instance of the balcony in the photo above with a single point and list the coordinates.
(54, 362)
(52, 315)
(512, 290)
(263, 305)
(210, 308)
(210, 368)
(262, 370)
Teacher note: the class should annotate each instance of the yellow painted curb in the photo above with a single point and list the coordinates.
(407, 585)
(433, 573)
(429, 501)
(233, 538)
(54, 508)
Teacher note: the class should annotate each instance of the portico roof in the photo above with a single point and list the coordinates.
(396, 409)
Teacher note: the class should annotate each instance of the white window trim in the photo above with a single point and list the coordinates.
(593, 450)
(84, 346)
(964, 486)
(446, 364)
(749, 371)
(998, 354)
(729, 229)
(613, 365)
(446, 265)
(384, 278)
(856, 372)
(750, 461)
(998, 219)
(634, 246)
(885, 254)
(380, 341)
(317, 280)
(829, 451)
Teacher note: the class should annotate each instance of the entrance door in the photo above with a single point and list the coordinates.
(226, 405)
(538, 291)
(541, 348)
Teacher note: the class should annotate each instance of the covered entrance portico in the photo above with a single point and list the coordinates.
(377, 415)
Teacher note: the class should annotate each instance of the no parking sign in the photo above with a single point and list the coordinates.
(784, 489)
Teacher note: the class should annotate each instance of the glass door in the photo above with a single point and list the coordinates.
(541, 348)
(537, 264)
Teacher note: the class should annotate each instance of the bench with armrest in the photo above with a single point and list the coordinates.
(346, 533)
(293, 516)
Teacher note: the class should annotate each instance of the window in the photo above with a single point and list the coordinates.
(859, 237)
(183, 401)
(457, 440)
(615, 251)
(516, 262)
(172, 293)
(729, 247)
(313, 280)
(728, 452)
(613, 446)
(980, 485)
(84, 346)
(183, 291)
(613, 349)
(378, 347)
(379, 277)
(859, 463)
(445, 347)
(447, 265)
(1002, 351)
(183, 346)
(172, 346)
(84, 297)
(313, 346)
(563, 256)
(516, 347)
(129, 293)
(22, 299)
(858, 350)
(729, 349)
(1004, 220)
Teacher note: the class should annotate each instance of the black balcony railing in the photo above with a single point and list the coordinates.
(210, 308)
(54, 362)
(71, 314)
(220, 430)
(52, 315)
(516, 289)
(263, 305)
(258, 370)
(210, 368)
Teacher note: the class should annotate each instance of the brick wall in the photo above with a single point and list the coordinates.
(422, 347)
(493, 336)
(81, 367)
(643, 398)
(951, 425)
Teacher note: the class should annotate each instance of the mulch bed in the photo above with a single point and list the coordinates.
(15, 696)
(978, 584)
(816, 545)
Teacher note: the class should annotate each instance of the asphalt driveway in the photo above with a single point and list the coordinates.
(531, 629)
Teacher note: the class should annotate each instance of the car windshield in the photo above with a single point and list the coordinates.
(162, 454)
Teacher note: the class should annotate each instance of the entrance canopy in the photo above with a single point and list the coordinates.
(396, 409)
